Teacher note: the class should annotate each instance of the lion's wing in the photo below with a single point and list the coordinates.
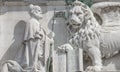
(107, 13)
(110, 43)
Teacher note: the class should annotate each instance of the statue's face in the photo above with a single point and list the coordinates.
(76, 19)
(36, 12)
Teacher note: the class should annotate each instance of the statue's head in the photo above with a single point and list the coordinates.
(76, 15)
(35, 11)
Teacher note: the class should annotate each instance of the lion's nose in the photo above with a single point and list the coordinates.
(75, 19)
(72, 20)
(79, 24)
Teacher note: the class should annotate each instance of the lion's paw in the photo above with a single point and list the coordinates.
(65, 47)
(93, 68)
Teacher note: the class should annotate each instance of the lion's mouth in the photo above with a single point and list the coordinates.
(73, 21)
(76, 25)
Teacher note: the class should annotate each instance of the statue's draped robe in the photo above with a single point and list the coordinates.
(31, 54)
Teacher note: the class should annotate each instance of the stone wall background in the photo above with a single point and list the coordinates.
(12, 22)
(42, 2)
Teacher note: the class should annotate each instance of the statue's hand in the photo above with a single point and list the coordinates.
(65, 47)
(51, 35)
(13, 66)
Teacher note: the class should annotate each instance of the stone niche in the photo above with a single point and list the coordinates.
(13, 20)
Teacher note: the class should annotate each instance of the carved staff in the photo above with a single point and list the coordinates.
(48, 69)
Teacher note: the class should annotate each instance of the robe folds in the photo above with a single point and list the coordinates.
(31, 56)
(33, 49)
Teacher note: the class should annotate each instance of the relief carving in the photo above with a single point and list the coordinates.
(96, 40)
(31, 57)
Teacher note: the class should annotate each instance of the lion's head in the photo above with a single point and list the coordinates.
(77, 15)
(83, 20)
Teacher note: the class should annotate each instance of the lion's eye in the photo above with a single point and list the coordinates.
(78, 13)
(70, 13)
(39, 10)
(74, 24)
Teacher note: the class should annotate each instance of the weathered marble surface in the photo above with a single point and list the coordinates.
(12, 33)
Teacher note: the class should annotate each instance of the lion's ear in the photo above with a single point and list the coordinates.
(31, 6)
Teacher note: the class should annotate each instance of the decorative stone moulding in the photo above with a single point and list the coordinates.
(36, 2)
(22, 3)
(15, 3)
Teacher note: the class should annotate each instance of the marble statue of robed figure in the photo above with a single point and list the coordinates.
(30, 57)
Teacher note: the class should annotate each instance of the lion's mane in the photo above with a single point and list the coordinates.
(90, 28)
